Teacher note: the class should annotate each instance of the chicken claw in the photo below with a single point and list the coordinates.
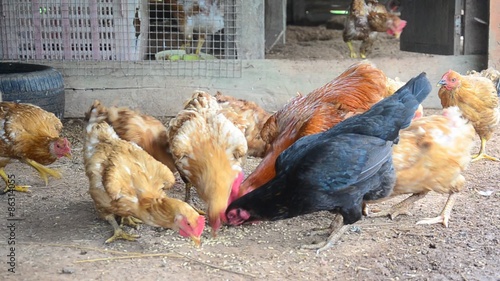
(130, 221)
(444, 217)
(8, 187)
(337, 230)
(119, 233)
(482, 153)
(43, 171)
(401, 208)
(351, 49)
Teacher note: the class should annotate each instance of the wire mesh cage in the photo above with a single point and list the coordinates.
(172, 37)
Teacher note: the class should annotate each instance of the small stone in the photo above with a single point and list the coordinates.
(68, 270)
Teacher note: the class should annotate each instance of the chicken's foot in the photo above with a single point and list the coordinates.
(201, 41)
(337, 228)
(351, 49)
(43, 171)
(482, 153)
(401, 208)
(130, 221)
(119, 233)
(325, 245)
(334, 225)
(444, 217)
(9, 186)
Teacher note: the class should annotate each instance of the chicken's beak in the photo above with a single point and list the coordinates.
(397, 34)
(68, 155)
(196, 240)
(441, 83)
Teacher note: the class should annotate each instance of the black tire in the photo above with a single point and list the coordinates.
(40, 85)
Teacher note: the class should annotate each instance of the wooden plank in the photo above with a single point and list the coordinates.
(275, 23)
(433, 26)
(476, 27)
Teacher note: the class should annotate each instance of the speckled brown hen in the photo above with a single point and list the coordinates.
(364, 22)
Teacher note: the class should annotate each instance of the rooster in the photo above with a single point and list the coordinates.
(208, 150)
(126, 181)
(352, 92)
(338, 169)
(478, 100)
(31, 135)
(363, 23)
(431, 155)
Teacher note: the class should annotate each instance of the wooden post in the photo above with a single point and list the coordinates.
(275, 23)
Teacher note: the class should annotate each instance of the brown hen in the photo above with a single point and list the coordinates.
(126, 181)
(478, 100)
(431, 155)
(208, 150)
(31, 135)
(249, 117)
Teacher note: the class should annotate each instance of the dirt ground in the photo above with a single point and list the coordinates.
(60, 237)
(320, 42)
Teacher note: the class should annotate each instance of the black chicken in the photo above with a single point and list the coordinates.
(338, 169)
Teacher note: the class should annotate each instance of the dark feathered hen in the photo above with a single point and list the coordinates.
(338, 169)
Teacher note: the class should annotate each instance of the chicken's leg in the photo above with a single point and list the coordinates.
(353, 54)
(119, 233)
(130, 221)
(187, 196)
(402, 207)
(482, 153)
(201, 41)
(43, 171)
(9, 187)
(337, 230)
(444, 217)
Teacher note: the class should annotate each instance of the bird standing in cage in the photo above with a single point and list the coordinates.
(197, 17)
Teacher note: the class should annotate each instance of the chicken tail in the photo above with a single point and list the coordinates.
(97, 128)
(387, 117)
(101, 111)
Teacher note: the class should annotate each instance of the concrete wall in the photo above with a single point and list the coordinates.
(270, 83)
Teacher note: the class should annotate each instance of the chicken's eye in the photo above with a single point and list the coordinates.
(453, 79)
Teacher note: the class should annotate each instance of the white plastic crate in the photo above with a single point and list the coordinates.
(70, 30)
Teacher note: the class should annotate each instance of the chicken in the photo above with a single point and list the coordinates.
(144, 130)
(30, 135)
(126, 181)
(490, 73)
(478, 100)
(364, 22)
(249, 117)
(208, 150)
(393, 85)
(431, 155)
(197, 17)
(338, 169)
(354, 91)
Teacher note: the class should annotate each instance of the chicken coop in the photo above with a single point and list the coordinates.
(177, 37)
